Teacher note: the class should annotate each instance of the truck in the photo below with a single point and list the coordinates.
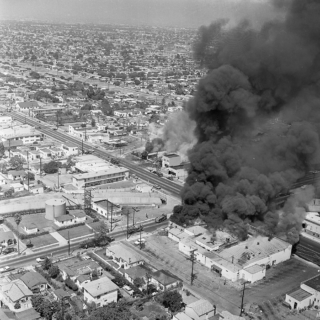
(161, 218)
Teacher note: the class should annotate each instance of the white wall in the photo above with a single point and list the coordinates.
(300, 304)
(104, 299)
(252, 277)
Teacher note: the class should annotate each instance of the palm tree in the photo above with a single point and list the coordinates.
(17, 220)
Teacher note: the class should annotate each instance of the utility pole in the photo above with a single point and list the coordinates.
(9, 148)
(140, 237)
(127, 224)
(111, 215)
(192, 259)
(58, 173)
(82, 146)
(68, 243)
(28, 169)
(244, 288)
(40, 166)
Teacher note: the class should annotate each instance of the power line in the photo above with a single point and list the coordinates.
(192, 259)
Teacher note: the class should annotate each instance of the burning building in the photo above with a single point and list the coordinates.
(243, 159)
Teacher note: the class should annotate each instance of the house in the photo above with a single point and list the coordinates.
(307, 295)
(2, 179)
(34, 281)
(139, 271)
(75, 269)
(69, 149)
(17, 187)
(82, 279)
(16, 174)
(56, 152)
(123, 256)
(311, 224)
(164, 280)
(105, 207)
(45, 153)
(200, 310)
(101, 291)
(29, 227)
(74, 217)
(16, 293)
(7, 238)
(61, 295)
(170, 160)
(27, 105)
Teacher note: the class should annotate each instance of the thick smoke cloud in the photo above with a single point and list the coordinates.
(257, 118)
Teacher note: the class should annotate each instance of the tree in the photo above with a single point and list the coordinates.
(113, 311)
(9, 193)
(70, 163)
(30, 176)
(46, 264)
(93, 123)
(1, 149)
(94, 274)
(51, 167)
(54, 271)
(148, 147)
(69, 283)
(139, 282)
(172, 300)
(101, 236)
(16, 163)
(144, 155)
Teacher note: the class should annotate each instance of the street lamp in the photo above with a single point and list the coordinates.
(58, 173)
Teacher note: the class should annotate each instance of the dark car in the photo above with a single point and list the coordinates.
(8, 250)
(161, 218)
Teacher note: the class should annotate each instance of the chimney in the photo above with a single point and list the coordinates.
(257, 243)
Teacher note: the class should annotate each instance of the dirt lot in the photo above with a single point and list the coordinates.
(41, 241)
(38, 220)
(75, 232)
(281, 279)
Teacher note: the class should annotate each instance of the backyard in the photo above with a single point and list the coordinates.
(75, 232)
(41, 241)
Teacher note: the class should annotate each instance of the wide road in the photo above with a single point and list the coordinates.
(63, 250)
(165, 184)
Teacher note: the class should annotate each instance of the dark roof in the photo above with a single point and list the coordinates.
(32, 279)
(61, 294)
(300, 295)
(13, 143)
(171, 155)
(165, 277)
(17, 172)
(313, 283)
(28, 104)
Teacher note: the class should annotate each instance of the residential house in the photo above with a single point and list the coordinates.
(74, 217)
(200, 310)
(56, 152)
(123, 256)
(17, 187)
(69, 149)
(82, 279)
(139, 271)
(27, 105)
(7, 238)
(2, 179)
(75, 269)
(16, 293)
(164, 280)
(61, 295)
(170, 160)
(45, 153)
(35, 281)
(29, 227)
(16, 174)
(101, 291)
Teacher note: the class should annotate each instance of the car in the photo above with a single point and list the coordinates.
(170, 178)
(41, 259)
(142, 240)
(161, 218)
(8, 250)
(6, 269)
(54, 128)
(157, 187)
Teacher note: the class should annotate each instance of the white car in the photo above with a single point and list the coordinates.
(4, 269)
(40, 259)
(137, 242)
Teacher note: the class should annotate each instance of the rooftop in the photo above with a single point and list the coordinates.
(201, 307)
(300, 295)
(171, 155)
(99, 173)
(122, 251)
(165, 277)
(32, 279)
(100, 286)
(313, 217)
(313, 283)
(16, 290)
(254, 269)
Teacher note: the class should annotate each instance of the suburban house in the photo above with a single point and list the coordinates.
(16, 174)
(74, 217)
(311, 224)
(16, 293)
(34, 281)
(29, 227)
(307, 295)
(105, 208)
(133, 273)
(101, 291)
(7, 238)
(61, 295)
(17, 186)
(123, 256)
(172, 159)
(82, 280)
(164, 280)
(200, 310)
(79, 268)
(69, 149)
(3, 179)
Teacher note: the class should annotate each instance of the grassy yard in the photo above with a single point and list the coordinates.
(75, 232)
(41, 241)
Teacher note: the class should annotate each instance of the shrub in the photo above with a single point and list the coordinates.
(72, 226)
(70, 284)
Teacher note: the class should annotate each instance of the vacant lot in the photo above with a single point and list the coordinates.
(75, 232)
(41, 241)
(37, 220)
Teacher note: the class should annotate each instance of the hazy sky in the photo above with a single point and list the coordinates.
(182, 13)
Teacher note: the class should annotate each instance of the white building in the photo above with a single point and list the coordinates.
(307, 295)
(91, 179)
(101, 291)
(311, 224)
(74, 217)
(200, 310)
(106, 208)
(69, 149)
(170, 160)
(2, 179)
(5, 120)
(24, 133)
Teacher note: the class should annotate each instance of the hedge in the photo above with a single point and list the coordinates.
(69, 283)
(47, 277)
(24, 236)
(72, 226)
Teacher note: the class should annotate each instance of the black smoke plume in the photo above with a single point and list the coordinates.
(257, 115)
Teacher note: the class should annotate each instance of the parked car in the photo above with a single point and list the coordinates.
(41, 259)
(128, 290)
(6, 269)
(142, 240)
(8, 250)
(135, 229)
(160, 218)
(157, 187)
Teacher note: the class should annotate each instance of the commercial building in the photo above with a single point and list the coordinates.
(91, 179)
(24, 133)
(307, 295)
(170, 160)
(74, 217)
(101, 291)
(311, 224)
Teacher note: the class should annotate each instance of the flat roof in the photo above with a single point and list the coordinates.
(313, 283)
(300, 295)
(254, 269)
(100, 286)
(313, 217)
(171, 155)
(99, 173)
